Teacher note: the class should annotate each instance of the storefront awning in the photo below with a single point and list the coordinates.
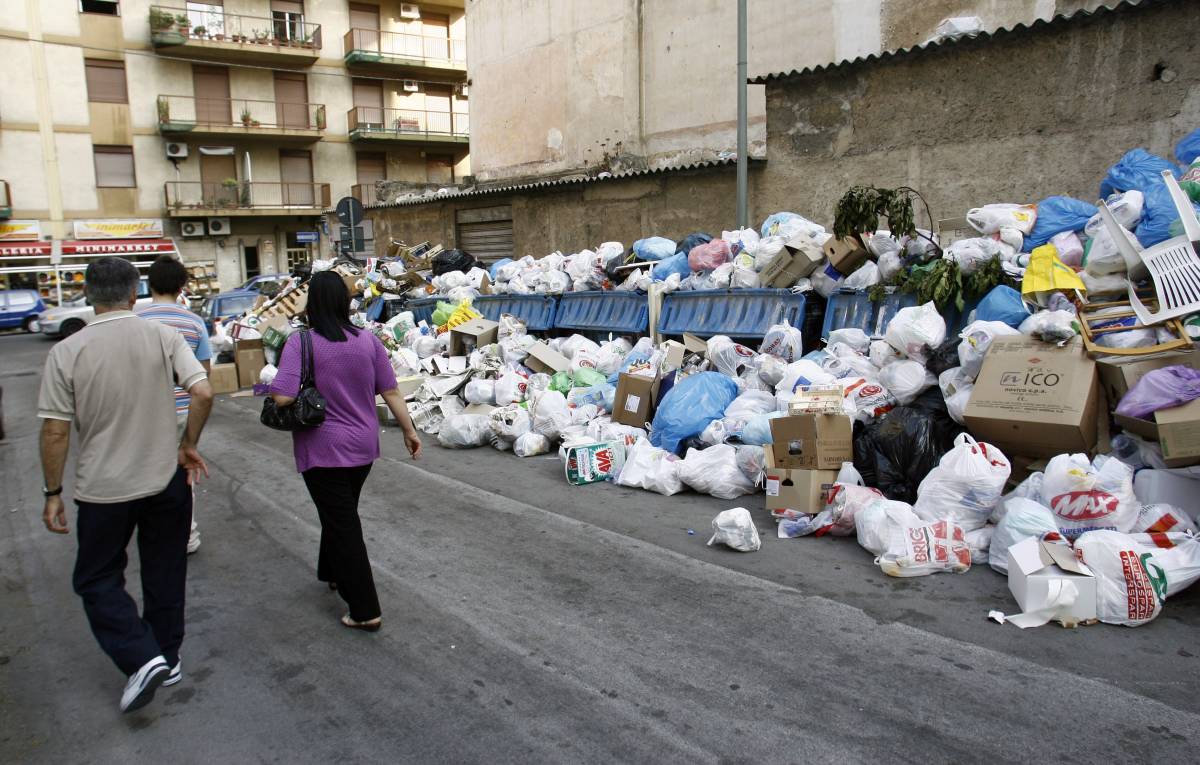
(91, 247)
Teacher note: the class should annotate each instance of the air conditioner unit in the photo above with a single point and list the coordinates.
(462, 90)
(409, 11)
(218, 226)
(177, 151)
(411, 86)
(191, 228)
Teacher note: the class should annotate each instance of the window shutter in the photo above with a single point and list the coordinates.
(106, 81)
(114, 166)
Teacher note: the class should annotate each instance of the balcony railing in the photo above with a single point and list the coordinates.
(377, 43)
(244, 195)
(176, 26)
(178, 114)
(417, 124)
(364, 192)
(6, 200)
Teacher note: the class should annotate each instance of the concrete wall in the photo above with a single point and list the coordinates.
(634, 83)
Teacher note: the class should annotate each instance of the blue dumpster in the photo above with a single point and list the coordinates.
(736, 313)
(625, 313)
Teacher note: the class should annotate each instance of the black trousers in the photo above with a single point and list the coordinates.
(343, 555)
(104, 530)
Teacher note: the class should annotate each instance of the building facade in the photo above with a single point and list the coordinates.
(223, 127)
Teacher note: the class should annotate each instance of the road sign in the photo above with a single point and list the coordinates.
(349, 211)
(307, 236)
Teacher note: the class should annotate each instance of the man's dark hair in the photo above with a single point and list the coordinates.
(110, 281)
(329, 307)
(167, 275)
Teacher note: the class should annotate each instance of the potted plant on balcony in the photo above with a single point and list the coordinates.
(230, 197)
(320, 118)
(200, 32)
(247, 118)
(164, 111)
(164, 29)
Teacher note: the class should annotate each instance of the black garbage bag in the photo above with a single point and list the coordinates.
(692, 442)
(944, 357)
(691, 240)
(618, 276)
(895, 452)
(452, 260)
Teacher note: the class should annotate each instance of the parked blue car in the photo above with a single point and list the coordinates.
(20, 308)
(227, 304)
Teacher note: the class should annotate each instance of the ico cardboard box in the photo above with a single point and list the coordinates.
(223, 378)
(1036, 572)
(1035, 399)
(1177, 431)
(845, 255)
(635, 399)
(812, 441)
(476, 333)
(792, 492)
(543, 358)
(249, 357)
(1118, 375)
(798, 258)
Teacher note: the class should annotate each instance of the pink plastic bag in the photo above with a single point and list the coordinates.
(1160, 389)
(706, 257)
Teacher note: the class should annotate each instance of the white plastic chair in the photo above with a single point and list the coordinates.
(1173, 265)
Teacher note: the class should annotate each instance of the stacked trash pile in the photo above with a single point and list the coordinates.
(1036, 429)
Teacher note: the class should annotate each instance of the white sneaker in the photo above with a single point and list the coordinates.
(139, 691)
(175, 676)
(193, 539)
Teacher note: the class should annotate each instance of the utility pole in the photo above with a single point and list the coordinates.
(743, 167)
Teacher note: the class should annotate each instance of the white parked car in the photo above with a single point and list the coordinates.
(73, 315)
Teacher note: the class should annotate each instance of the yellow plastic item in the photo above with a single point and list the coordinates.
(1047, 274)
(461, 315)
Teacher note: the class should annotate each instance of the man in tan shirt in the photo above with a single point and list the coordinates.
(115, 381)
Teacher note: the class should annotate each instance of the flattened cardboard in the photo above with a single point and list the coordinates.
(1117, 376)
(798, 258)
(812, 441)
(479, 332)
(454, 365)
(845, 255)
(223, 378)
(674, 354)
(694, 344)
(635, 400)
(1035, 399)
(543, 358)
(409, 385)
(1177, 431)
(951, 230)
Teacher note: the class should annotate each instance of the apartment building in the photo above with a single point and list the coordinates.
(221, 130)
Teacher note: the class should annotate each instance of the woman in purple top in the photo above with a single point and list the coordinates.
(350, 367)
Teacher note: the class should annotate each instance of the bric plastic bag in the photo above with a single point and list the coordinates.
(715, 471)
(689, 406)
(651, 469)
(465, 431)
(1130, 585)
(913, 331)
(989, 219)
(906, 379)
(1089, 495)
(1160, 389)
(965, 486)
(783, 341)
(923, 550)
(736, 529)
(977, 337)
(729, 357)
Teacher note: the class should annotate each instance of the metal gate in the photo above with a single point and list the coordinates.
(486, 233)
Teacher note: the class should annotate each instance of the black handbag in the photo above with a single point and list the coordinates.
(308, 410)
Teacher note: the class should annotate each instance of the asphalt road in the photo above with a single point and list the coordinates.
(530, 621)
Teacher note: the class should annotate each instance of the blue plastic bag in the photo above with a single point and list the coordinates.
(1158, 215)
(1055, 215)
(497, 266)
(1138, 169)
(691, 240)
(1188, 148)
(1004, 304)
(654, 248)
(675, 264)
(757, 430)
(769, 225)
(688, 408)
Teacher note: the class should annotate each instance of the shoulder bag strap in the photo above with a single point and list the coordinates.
(307, 373)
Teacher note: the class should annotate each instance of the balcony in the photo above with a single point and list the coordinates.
(6, 201)
(393, 51)
(373, 124)
(240, 118)
(194, 199)
(211, 34)
(365, 193)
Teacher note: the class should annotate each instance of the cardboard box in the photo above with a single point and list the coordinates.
(1177, 431)
(542, 358)
(473, 334)
(1036, 573)
(798, 258)
(812, 441)
(635, 400)
(1035, 399)
(951, 230)
(675, 353)
(409, 385)
(794, 492)
(695, 344)
(249, 362)
(1118, 375)
(817, 399)
(845, 255)
(223, 378)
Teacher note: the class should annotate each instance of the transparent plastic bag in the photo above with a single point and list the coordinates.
(735, 528)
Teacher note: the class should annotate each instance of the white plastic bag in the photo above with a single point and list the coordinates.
(866, 275)
(1130, 584)
(735, 528)
(770, 369)
(1088, 496)
(652, 469)
(531, 444)
(875, 523)
(511, 387)
(880, 353)
(266, 375)
(575, 343)
(611, 355)
(853, 337)
(989, 219)
(803, 373)
(1051, 326)
(729, 357)
(1126, 208)
(715, 471)
(549, 412)
(1070, 248)
(825, 283)
(976, 338)
(980, 541)
(1023, 518)
(465, 431)
(783, 341)
(749, 404)
(923, 550)
(956, 389)
(510, 422)
(845, 502)
(480, 392)
(1103, 257)
(906, 380)
(913, 331)
(965, 485)
(866, 399)
(1162, 518)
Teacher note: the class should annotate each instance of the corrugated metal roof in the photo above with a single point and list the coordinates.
(567, 180)
(1057, 20)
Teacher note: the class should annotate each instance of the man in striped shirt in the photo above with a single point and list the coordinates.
(168, 277)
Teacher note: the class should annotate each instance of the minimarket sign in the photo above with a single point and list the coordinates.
(139, 228)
